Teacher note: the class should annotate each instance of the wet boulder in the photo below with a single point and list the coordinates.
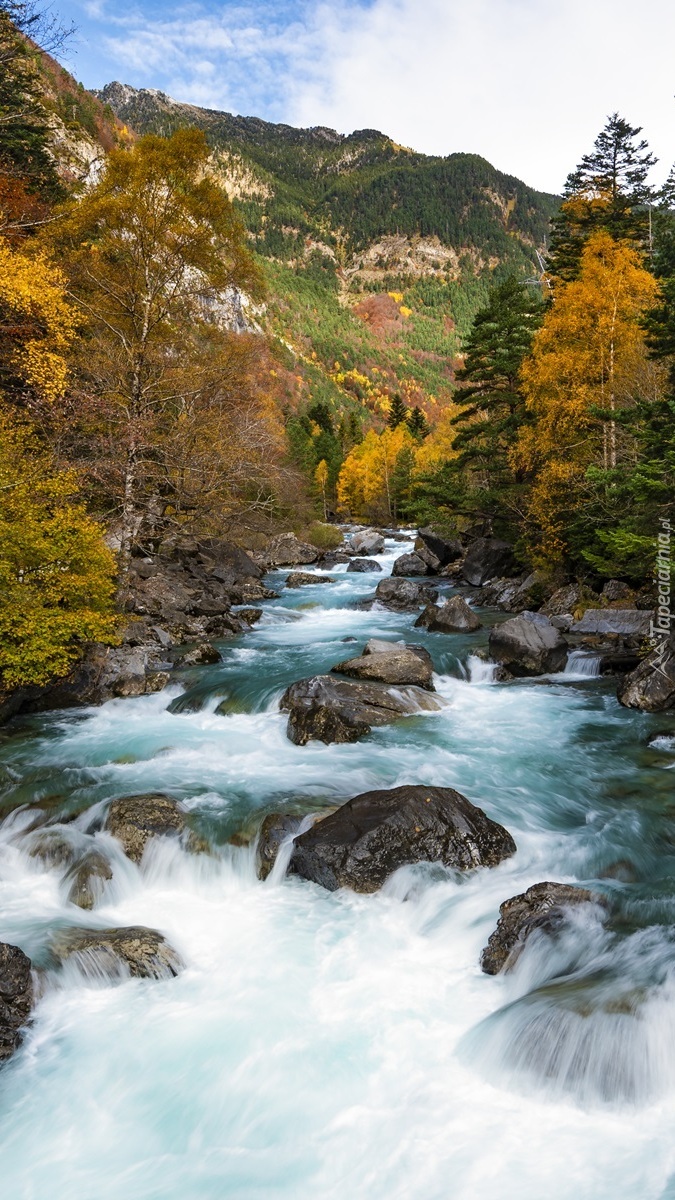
(614, 622)
(455, 616)
(288, 551)
(403, 594)
(487, 558)
(367, 541)
(412, 564)
(298, 579)
(134, 820)
(390, 662)
(16, 997)
(53, 846)
(327, 709)
(113, 953)
(203, 654)
(275, 829)
(363, 564)
(651, 685)
(446, 550)
(528, 645)
(542, 907)
(361, 844)
(87, 878)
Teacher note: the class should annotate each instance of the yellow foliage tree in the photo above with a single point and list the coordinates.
(37, 324)
(439, 447)
(588, 362)
(321, 480)
(367, 485)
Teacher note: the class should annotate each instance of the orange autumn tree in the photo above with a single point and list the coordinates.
(588, 364)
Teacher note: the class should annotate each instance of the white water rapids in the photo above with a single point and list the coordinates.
(334, 1045)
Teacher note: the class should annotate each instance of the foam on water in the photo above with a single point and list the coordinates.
(335, 1044)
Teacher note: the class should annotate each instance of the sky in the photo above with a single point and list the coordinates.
(526, 83)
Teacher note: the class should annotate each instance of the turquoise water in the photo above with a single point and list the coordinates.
(337, 1045)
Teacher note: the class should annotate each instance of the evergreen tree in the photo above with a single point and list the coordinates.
(398, 413)
(417, 423)
(24, 133)
(608, 190)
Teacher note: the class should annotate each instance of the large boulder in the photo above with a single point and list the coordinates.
(403, 594)
(615, 622)
(16, 997)
(374, 834)
(544, 907)
(455, 616)
(446, 550)
(87, 878)
(514, 595)
(327, 709)
(298, 579)
(528, 645)
(367, 541)
(134, 820)
(390, 662)
(412, 564)
(651, 685)
(288, 551)
(485, 559)
(111, 953)
(566, 599)
(363, 564)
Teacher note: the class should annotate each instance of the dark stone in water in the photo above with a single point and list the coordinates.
(371, 836)
(16, 997)
(387, 662)
(540, 907)
(327, 709)
(298, 579)
(274, 830)
(487, 558)
(404, 594)
(528, 645)
(363, 565)
(87, 878)
(109, 953)
(133, 820)
(454, 616)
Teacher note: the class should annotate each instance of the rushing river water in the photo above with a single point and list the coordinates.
(334, 1045)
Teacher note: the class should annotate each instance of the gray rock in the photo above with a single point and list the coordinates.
(16, 997)
(53, 847)
(651, 685)
(542, 907)
(621, 622)
(250, 615)
(412, 564)
(386, 662)
(528, 645)
(133, 820)
(87, 878)
(367, 541)
(298, 579)
(487, 558)
(374, 834)
(327, 709)
(288, 551)
(455, 616)
(274, 830)
(446, 550)
(403, 594)
(363, 564)
(202, 654)
(616, 589)
(111, 953)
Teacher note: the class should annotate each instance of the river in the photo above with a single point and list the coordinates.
(336, 1045)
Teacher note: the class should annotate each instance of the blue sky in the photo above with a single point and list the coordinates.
(527, 83)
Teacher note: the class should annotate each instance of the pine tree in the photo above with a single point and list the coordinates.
(417, 424)
(608, 190)
(24, 131)
(398, 413)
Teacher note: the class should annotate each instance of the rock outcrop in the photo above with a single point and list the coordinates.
(403, 594)
(367, 541)
(371, 836)
(528, 645)
(392, 663)
(113, 953)
(455, 616)
(133, 820)
(542, 907)
(651, 685)
(16, 997)
(487, 558)
(327, 709)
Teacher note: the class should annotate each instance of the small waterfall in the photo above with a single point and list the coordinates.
(581, 663)
(481, 671)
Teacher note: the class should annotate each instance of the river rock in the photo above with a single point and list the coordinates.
(403, 594)
(446, 550)
(540, 907)
(616, 590)
(651, 685)
(53, 847)
(412, 564)
(487, 558)
(133, 820)
(374, 834)
(288, 551)
(566, 599)
(87, 878)
(367, 541)
(528, 645)
(16, 997)
(274, 830)
(363, 564)
(203, 654)
(455, 616)
(340, 710)
(618, 622)
(108, 953)
(388, 662)
(298, 579)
